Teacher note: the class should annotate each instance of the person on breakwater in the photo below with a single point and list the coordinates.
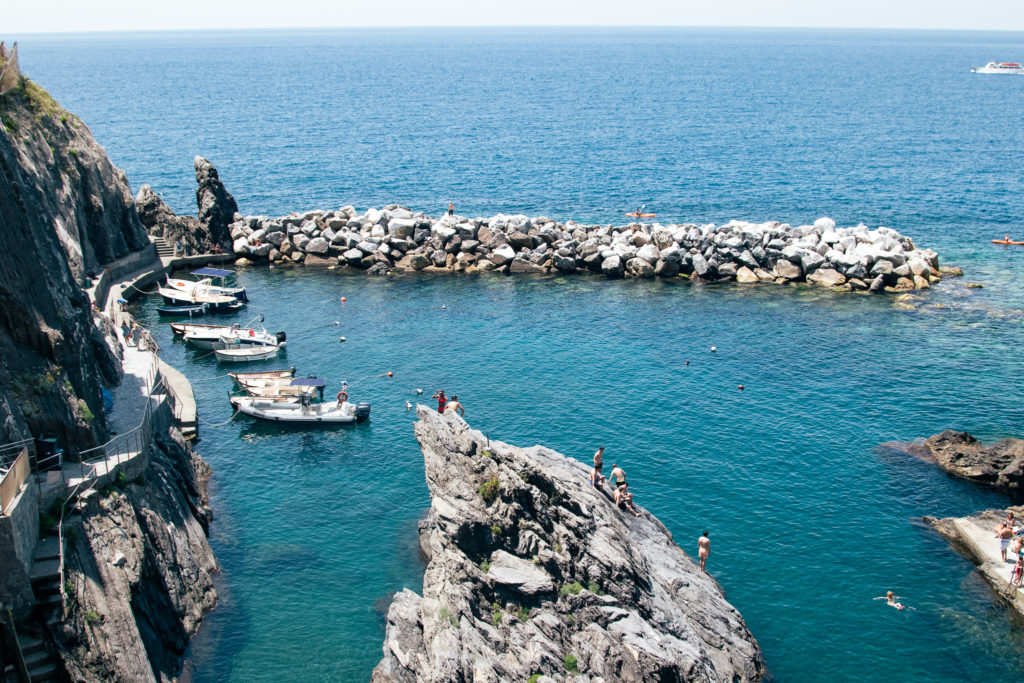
(891, 600)
(624, 499)
(455, 406)
(1004, 534)
(441, 400)
(451, 209)
(703, 549)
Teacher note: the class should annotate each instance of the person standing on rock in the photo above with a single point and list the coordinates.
(455, 406)
(599, 458)
(441, 400)
(451, 209)
(703, 549)
(617, 476)
(1004, 534)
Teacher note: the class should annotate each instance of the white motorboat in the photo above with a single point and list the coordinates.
(210, 275)
(180, 329)
(332, 412)
(999, 68)
(200, 294)
(311, 387)
(244, 353)
(209, 339)
(240, 377)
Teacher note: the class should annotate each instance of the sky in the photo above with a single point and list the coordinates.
(134, 15)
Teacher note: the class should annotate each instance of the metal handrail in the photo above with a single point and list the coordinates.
(22, 666)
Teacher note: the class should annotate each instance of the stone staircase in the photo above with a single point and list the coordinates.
(163, 250)
(45, 577)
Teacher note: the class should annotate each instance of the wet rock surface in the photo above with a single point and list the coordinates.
(532, 571)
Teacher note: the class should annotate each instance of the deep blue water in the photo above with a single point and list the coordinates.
(809, 518)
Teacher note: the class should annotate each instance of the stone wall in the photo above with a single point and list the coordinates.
(19, 531)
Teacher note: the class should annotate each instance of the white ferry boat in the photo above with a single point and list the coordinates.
(999, 68)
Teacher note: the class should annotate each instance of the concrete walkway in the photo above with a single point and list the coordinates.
(977, 534)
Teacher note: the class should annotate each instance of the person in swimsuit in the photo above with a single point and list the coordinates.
(617, 477)
(597, 479)
(599, 458)
(703, 549)
(455, 406)
(1017, 577)
(624, 499)
(1004, 534)
(891, 599)
(451, 209)
(441, 400)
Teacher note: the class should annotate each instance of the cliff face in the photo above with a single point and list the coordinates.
(533, 571)
(65, 210)
(139, 571)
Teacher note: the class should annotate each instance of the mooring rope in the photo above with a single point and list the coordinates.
(219, 424)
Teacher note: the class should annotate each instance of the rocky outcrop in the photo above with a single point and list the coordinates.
(973, 537)
(396, 238)
(138, 571)
(1000, 465)
(65, 211)
(217, 208)
(161, 221)
(533, 571)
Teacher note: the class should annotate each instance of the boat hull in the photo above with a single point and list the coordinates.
(322, 414)
(245, 354)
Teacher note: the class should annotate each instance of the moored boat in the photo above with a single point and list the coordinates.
(244, 353)
(182, 328)
(209, 275)
(182, 311)
(200, 295)
(302, 412)
(240, 377)
(310, 387)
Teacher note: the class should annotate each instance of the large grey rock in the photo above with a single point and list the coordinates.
(1000, 465)
(826, 277)
(502, 255)
(317, 245)
(402, 227)
(634, 608)
(638, 267)
(612, 266)
(217, 207)
(788, 269)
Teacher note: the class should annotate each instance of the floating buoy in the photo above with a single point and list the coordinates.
(390, 374)
(342, 339)
(741, 387)
(343, 299)
(686, 363)
(713, 349)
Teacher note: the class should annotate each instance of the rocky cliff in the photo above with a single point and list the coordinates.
(217, 209)
(532, 571)
(139, 571)
(65, 211)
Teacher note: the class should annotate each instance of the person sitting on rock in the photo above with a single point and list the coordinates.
(624, 499)
(891, 600)
(596, 478)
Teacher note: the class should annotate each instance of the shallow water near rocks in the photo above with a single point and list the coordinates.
(809, 518)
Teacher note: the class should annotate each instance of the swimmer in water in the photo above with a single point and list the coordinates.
(891, 600)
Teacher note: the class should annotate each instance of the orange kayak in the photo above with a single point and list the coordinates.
(1006, 242)
(641, 215)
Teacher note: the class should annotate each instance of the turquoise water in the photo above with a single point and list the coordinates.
(809, 517)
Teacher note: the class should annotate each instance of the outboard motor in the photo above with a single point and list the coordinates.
(362, 411)
(281, 336)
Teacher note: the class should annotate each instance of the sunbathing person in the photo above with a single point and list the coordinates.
(624, 499)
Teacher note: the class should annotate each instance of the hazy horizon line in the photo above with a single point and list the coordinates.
(609, 27)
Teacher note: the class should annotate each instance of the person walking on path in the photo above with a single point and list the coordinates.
(703, 549)
(136, 335)
(441, 400)
(455, 406)
(126, 333)
(1004, 534)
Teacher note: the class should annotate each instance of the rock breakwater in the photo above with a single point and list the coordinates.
(1000, 465)
(397, 238)
(532, 571)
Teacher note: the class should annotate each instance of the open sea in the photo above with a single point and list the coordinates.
(809, 517)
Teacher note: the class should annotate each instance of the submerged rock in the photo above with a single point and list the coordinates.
(531, 568)
(1000, 465)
